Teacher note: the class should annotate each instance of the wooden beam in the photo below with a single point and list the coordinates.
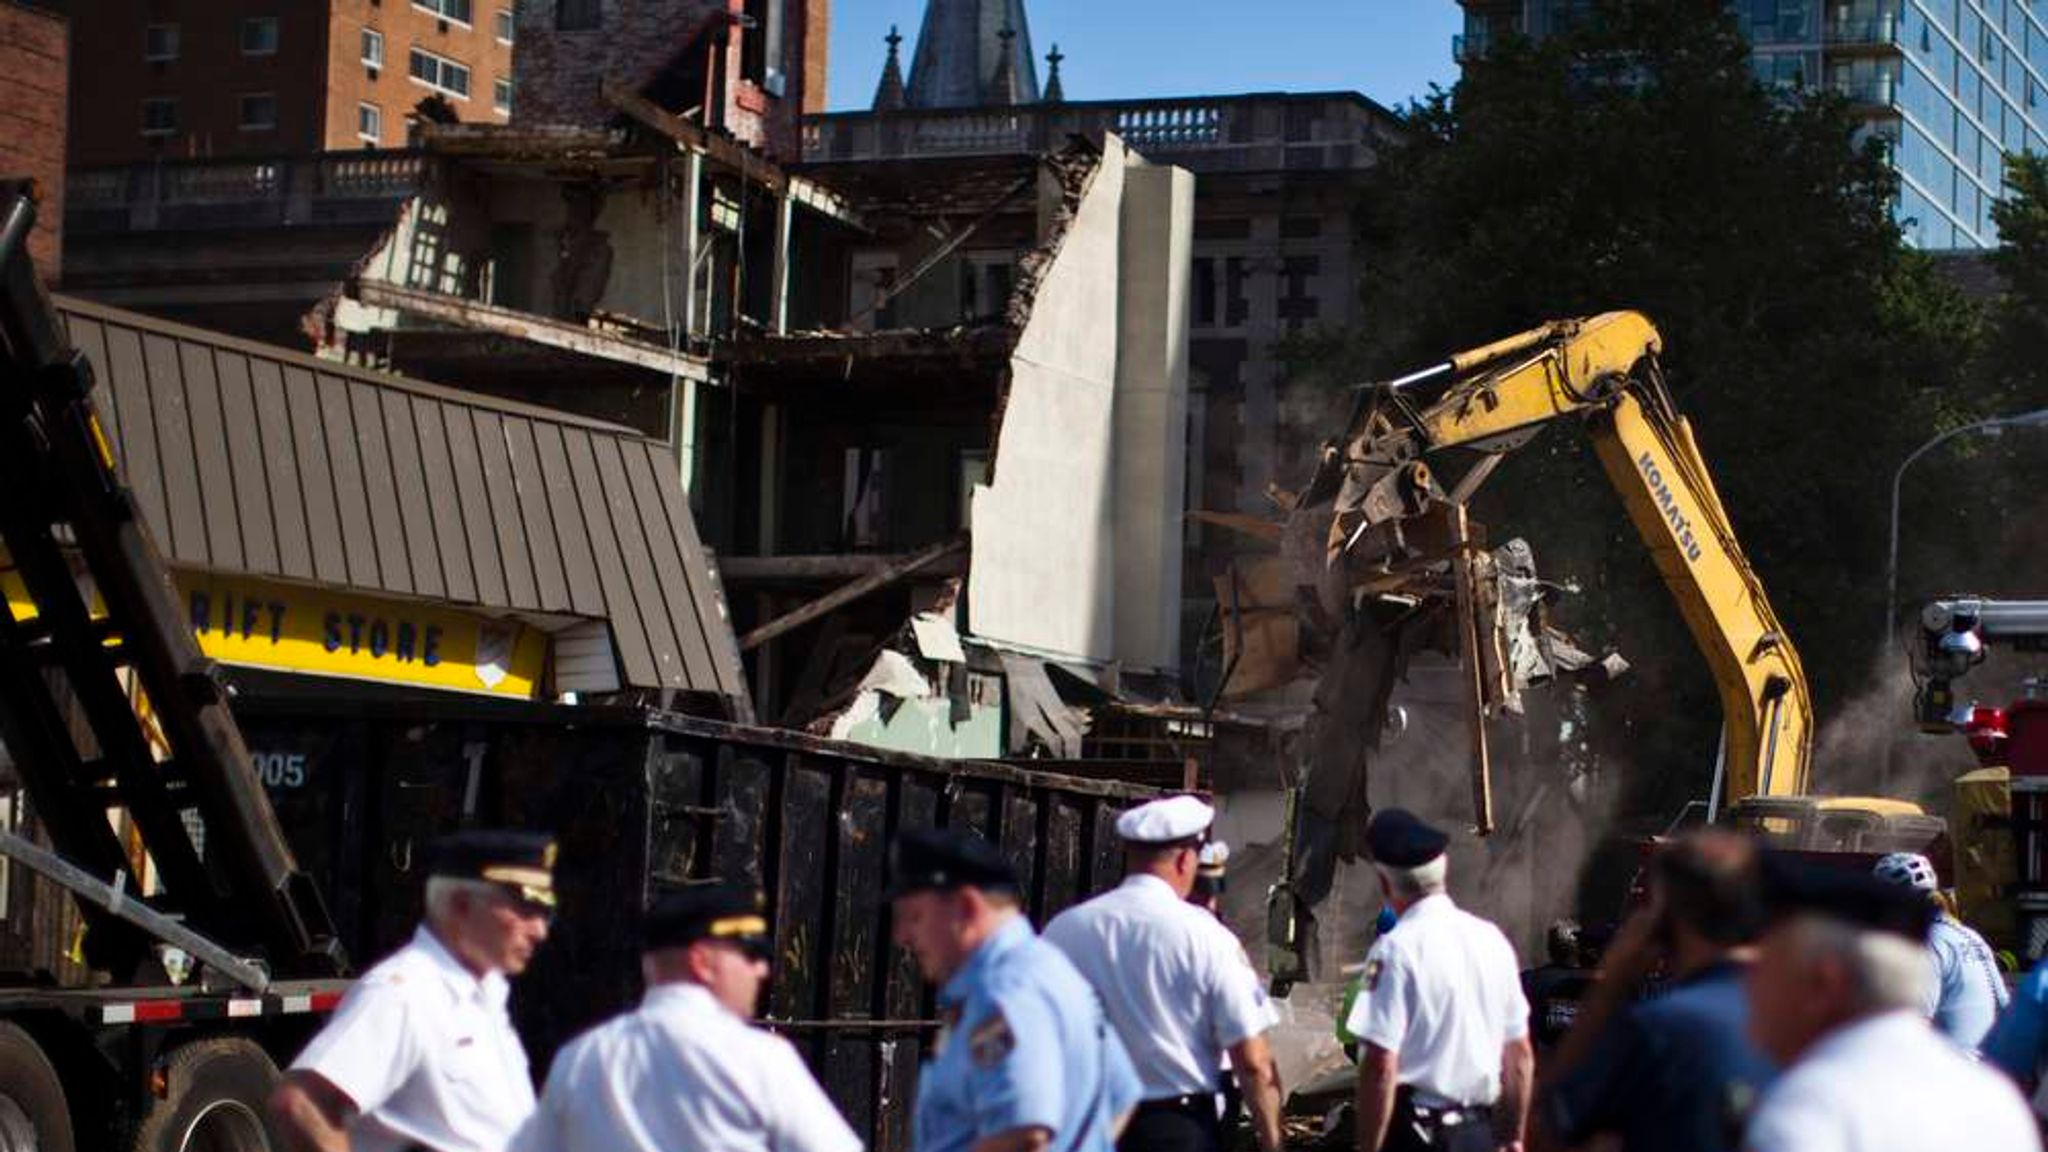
(480, 317)
(847, 593)
(797, 569)
(1467, 607)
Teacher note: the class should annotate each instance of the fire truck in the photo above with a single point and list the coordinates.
(2000, 826)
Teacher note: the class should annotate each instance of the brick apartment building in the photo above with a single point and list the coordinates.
(33, 44)
(226, 78)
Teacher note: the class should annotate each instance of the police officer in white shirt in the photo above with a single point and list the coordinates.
(1444, 1057)
(421, 1052)
(1835, 996)
(687, 1069)
(1176, 984)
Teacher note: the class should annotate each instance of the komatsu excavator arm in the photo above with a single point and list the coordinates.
(1603, 372)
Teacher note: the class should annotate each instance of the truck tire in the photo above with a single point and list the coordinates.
(33, 1114)
(214, 1098)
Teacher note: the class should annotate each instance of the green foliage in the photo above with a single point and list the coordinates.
(1635, 163)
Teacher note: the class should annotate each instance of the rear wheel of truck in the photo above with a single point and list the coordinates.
(33, 1115)
(214, 1096)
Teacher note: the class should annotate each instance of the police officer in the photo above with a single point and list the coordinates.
(1444, 1059)
(421, 1052)
(1212, 876)
(1023, 1058)
(1835, 998)
(687, 1069)
(1968, 991)
(1176, 984)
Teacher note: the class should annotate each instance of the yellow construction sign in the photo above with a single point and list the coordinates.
(289, 628)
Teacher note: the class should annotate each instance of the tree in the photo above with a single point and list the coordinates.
(1634, 162)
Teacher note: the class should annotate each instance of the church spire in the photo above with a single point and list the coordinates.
(1054, 92)
(1002, 87)
(889, 95)
(962, 52)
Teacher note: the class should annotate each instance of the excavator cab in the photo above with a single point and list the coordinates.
(1864, 825)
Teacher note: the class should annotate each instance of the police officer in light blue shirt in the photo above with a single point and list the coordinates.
(1024, 1058)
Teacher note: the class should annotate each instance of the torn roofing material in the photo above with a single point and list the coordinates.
(252, 459)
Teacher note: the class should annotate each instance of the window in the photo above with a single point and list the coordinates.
(504, 25)
(259, 36)
(160, 42)
(577, 15)
(501, 95)
(373, 48)
(456, 11)
(258, 111)
(370, 122)
(439, 73)
(1205, 292)
(159, 116)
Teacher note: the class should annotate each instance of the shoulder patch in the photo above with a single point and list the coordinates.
(991, 1041)
(1373, 968)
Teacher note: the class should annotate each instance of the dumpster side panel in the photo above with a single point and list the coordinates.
(643, 803)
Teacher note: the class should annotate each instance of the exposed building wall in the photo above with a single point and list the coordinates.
(1151, 411)
(1076, 539)
(570, 48)
(391, 89)
(33, 50)
(1043, 571)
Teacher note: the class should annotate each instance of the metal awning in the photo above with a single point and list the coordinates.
(250, 459)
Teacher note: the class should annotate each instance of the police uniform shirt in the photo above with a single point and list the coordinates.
(426, 1052)
(1443, 994)
(1967, 992)
(1889, 1083)
(1174, 981)
(682, 1071)
(2016, 1043)
(1023, 1044)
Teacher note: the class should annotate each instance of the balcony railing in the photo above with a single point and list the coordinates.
(1875, 92)
(1242, 133)
(1875, 31)
(333, 188)
(1469, 46)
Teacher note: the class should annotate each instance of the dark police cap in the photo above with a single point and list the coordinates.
(934, 858)
(1398, 838)
(521, 861)
(1795, 886)
(709, 912)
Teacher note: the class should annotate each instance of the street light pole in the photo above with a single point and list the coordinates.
(1891, 567)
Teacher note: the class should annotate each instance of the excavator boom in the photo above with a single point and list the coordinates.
(1604, 372)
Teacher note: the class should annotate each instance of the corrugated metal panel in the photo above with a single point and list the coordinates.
(252, 459)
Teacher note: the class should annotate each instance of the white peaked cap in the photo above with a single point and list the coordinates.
(1165, 821)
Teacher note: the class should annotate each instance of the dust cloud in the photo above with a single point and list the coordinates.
(1870, 746)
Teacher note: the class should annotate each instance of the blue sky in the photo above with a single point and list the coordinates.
(1390, 50)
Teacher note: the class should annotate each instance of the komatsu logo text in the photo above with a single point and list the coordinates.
(1680, 526)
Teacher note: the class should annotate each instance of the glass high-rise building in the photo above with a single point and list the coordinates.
(1954, 84)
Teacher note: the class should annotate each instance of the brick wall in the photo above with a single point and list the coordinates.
(391, 90)
(33, 51)
(562, 71)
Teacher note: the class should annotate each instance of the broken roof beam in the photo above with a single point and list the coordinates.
(731, 154)
(798, 569)
(847, 593)
(480, 317)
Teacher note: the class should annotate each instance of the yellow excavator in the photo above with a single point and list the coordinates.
(1375, 487)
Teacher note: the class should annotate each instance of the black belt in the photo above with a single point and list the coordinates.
(1202, 1103)
(1442, 1116)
